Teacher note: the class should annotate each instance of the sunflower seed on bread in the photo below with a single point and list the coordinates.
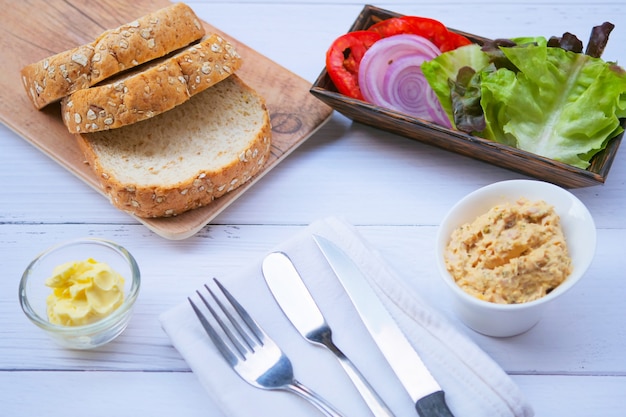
(150, 89)
(149, 37)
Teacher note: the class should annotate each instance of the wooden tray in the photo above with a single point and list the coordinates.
(452, 140)
(32, 30)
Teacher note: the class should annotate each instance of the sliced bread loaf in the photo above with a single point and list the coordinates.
(152, 88)
(186, 157)
(149, 37)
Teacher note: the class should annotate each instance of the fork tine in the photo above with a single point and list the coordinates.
(252, 325)
(227, 331)
(217, 340)
(244, 334)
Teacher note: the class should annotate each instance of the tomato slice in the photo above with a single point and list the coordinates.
(344, 55)
(431, 29)
(458, 40)
(392, 26)
(343, 59)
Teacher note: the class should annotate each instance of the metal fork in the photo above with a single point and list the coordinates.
(251, 352)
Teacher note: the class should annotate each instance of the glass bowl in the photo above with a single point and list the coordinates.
(503, 320)
(33, 291)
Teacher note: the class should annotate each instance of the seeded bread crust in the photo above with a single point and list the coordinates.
(149, 37)
(186, 157)
(151, 89)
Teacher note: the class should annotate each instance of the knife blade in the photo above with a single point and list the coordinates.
(298, 304)
(423, 389)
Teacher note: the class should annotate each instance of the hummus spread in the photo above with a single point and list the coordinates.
(512, 254)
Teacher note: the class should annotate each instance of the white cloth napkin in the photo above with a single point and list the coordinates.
(474, 384)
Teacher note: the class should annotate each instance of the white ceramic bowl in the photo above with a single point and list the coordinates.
(502, 320)
(33, 291)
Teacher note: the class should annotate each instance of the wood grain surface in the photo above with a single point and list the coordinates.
(32, 30)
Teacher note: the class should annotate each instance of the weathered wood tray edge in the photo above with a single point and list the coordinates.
(475, 147)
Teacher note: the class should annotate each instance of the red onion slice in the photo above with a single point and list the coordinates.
(390, 76)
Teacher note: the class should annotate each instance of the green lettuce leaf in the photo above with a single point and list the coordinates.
(561, 105)
(496, 90)
(446, 67)
(530, 40)
(465, 96)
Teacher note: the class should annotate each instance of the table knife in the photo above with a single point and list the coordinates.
(423, 389)
(298, 304)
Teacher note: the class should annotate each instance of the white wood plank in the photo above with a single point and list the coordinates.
(314, 25)
(576, 337)
(574, 396)
(37, 189)
(369, 175)
(102, 394)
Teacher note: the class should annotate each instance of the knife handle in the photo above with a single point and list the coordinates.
(433, 405)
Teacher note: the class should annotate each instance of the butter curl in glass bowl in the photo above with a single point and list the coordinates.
(508, 250)
(81, 292)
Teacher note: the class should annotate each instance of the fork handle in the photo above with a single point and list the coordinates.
(324, 406)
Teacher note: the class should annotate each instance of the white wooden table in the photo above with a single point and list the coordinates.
(395, 190)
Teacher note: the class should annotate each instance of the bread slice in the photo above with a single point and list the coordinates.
(186, 157)
(150, 89)
(149, 37)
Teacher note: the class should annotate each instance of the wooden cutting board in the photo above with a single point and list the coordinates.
(32, 30)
